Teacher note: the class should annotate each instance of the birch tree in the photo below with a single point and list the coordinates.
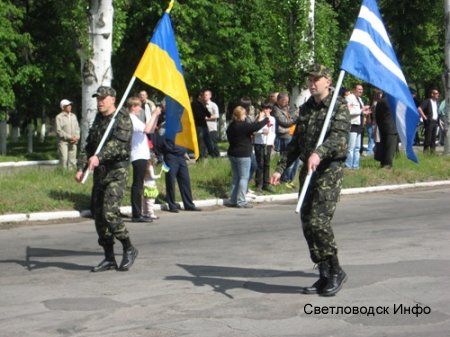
(96, 59)
(447, 75)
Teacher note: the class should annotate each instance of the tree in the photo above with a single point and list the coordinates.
(12, 43)
(447, 76)
(418, 40)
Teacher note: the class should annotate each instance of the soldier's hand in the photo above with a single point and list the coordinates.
(275, 179)
(313, 162)
(79, 176)
(93, 162)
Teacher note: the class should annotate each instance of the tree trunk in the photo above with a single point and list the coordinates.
(300, 95)
(96, 65)
(447, 75)
(3, 135)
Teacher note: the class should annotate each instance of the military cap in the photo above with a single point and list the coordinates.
(104, 91)
(319, 70)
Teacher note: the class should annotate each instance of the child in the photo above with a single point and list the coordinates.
(150, 189)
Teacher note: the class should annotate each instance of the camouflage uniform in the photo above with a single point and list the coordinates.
(110, 177)
(325, 186)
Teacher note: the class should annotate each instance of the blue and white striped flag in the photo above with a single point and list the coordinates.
(370, 57)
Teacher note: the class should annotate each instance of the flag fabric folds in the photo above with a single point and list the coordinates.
(370, 57)
(160, 67)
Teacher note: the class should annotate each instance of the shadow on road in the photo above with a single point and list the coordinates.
(32, 262)
(218, 278)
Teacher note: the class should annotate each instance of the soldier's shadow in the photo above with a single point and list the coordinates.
(39, 258)
(222, 279)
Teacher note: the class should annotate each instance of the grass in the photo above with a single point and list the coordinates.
(49, 188)
(17, 151)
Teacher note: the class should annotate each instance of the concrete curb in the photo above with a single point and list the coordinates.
(28, 163)
(44, 216)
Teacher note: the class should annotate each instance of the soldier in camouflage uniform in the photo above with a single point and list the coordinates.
(110, 168)
(326, 162)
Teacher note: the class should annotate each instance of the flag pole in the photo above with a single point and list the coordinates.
(122, 101)
(321, 138)
(169, 8)
(110, 125)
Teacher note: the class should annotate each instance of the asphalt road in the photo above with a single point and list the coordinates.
(236, 273)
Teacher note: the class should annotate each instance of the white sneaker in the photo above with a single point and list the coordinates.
(250, 195)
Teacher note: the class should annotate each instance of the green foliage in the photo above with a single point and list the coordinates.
(11, 43)
(419, 39)
(236, 48)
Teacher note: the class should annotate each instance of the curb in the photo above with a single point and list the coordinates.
(44, 216)
(29, 163)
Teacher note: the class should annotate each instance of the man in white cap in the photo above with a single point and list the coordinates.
(68, 132)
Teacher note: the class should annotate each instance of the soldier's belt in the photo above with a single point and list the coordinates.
(116, 165)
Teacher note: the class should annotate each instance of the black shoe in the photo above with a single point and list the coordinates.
(334, 284)
(105, 265)
(317, 287)
(194, 209)
(128, 259)
(174, 210)
(336, 278)
(141, 219)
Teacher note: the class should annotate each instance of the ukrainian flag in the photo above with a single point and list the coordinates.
(160, 67)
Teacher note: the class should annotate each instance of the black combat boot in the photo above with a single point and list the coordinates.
(335, 280)
(324, 269)
(109, 262)
(129, 255)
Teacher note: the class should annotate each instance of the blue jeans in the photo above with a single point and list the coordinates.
(240, 170)
(370, 139)
(290, 172)
(354, 144)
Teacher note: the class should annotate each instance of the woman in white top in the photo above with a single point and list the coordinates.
(140, 154)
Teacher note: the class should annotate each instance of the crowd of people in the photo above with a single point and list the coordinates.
(253, 133)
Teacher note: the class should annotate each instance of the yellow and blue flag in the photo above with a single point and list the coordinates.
(160, 67)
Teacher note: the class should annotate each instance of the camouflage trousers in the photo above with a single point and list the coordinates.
(107, 194)
(318, 209)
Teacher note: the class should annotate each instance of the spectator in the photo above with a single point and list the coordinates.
(284, 122)
(388, 134)
(212, 123)
(239, 134)
(147, 106)
(201, 113)
(140, 154)
(68, 132)
(175, 158)
(150, 189)
(264, 140)
(430, 115)
(357, 108)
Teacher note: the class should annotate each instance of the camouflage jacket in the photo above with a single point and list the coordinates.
(117, 146)
(307, 131)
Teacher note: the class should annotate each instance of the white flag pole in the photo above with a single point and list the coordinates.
(110, 125)
(321, 138)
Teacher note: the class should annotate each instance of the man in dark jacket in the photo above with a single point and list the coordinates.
(429, 111)
(388, 134)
